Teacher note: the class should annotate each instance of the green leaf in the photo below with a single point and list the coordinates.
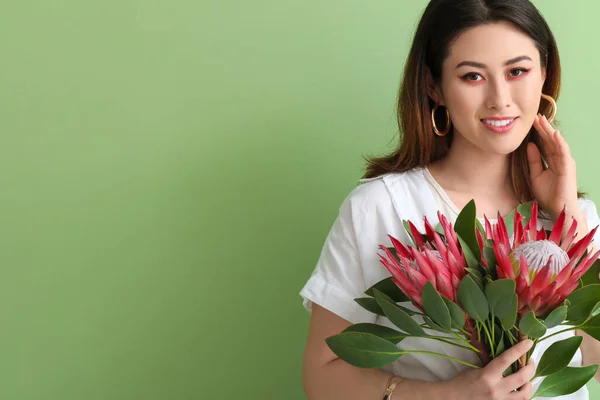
(363, 350)
(433, 325)
(501, 347)
(391, 335)
(490, 258)
(592, 327)
(476, 275)
(388, 287)
(509, 319)
(509, 222)
(465, 228)
(472, 299)
(558, 356)
(499, 292)
(531, 327)
(525, 210)
(566, 381)
(394, 253)
(503, 301)
(556, 317)
(583, 301)
(479, 226)
(470, 256)
(435, 307)
(440, 229)
(457, 315)
(397, 316)
(591, 275)
(370, 304)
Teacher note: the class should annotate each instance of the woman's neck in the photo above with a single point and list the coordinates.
(468, 173)
(468, 169)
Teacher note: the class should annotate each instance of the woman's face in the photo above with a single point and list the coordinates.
(493, 71)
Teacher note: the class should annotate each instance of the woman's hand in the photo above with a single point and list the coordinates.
(555, 187)
(488, 383)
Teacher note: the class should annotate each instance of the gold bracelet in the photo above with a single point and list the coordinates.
(391, 386)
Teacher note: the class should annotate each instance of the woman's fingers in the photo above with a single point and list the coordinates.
(538, 126)
(518, 379)
(548, 142)
(524, 392)
(535, 160)
(551, 132)
(499, 364)
(566, 158)
(558, 153)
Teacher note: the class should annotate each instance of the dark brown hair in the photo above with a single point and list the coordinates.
(441, 23)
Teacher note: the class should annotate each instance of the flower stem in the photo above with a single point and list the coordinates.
(512, 338)
(493, 341)
(445, 340)
(556, 333)
(489, 338)
(441, 355)
(467, 343)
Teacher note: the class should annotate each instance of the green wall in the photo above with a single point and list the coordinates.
(169, 172)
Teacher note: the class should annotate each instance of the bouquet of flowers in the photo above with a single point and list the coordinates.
(485, 292)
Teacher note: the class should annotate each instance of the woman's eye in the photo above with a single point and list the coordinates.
(471, 76)
(518, 72)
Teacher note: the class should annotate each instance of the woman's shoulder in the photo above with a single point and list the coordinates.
(587, 206)
(381, 192)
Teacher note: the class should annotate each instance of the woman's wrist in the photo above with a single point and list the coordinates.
(574, 212)
(391, 386)
(422, 390)
(570, 209)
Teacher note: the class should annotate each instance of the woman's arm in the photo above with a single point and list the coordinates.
(327, 377)
(590, 351)
(590, 347)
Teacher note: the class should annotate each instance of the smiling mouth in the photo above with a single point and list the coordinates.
(499, 126)
(498, 123)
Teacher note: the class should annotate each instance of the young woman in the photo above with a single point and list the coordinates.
(478, 92)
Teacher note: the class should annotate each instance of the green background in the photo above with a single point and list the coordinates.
(169, 172)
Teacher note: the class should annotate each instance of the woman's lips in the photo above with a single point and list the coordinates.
(500, 129)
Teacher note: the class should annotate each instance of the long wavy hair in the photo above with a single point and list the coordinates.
(441, 23)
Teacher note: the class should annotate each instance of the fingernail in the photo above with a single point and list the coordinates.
(528, 344)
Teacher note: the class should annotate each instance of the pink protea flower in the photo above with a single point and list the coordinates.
(545, 268)
(435, 259)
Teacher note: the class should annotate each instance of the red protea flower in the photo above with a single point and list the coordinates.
(544, 267)
(435, 259)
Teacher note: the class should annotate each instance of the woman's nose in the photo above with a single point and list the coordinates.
(498, 96)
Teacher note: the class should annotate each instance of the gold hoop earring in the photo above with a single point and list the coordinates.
(554, 106)
(435, 128)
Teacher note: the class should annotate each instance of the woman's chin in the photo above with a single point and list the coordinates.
(503, 148)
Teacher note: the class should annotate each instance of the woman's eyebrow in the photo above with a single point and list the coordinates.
(482, 66)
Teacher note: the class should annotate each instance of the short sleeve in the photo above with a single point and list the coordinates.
(588, 207)
(338, 276)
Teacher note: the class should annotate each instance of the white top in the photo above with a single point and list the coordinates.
(445, 205)
(349, 265)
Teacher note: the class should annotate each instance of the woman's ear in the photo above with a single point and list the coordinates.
(433, 89)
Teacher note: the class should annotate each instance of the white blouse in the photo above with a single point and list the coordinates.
(348, 265)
